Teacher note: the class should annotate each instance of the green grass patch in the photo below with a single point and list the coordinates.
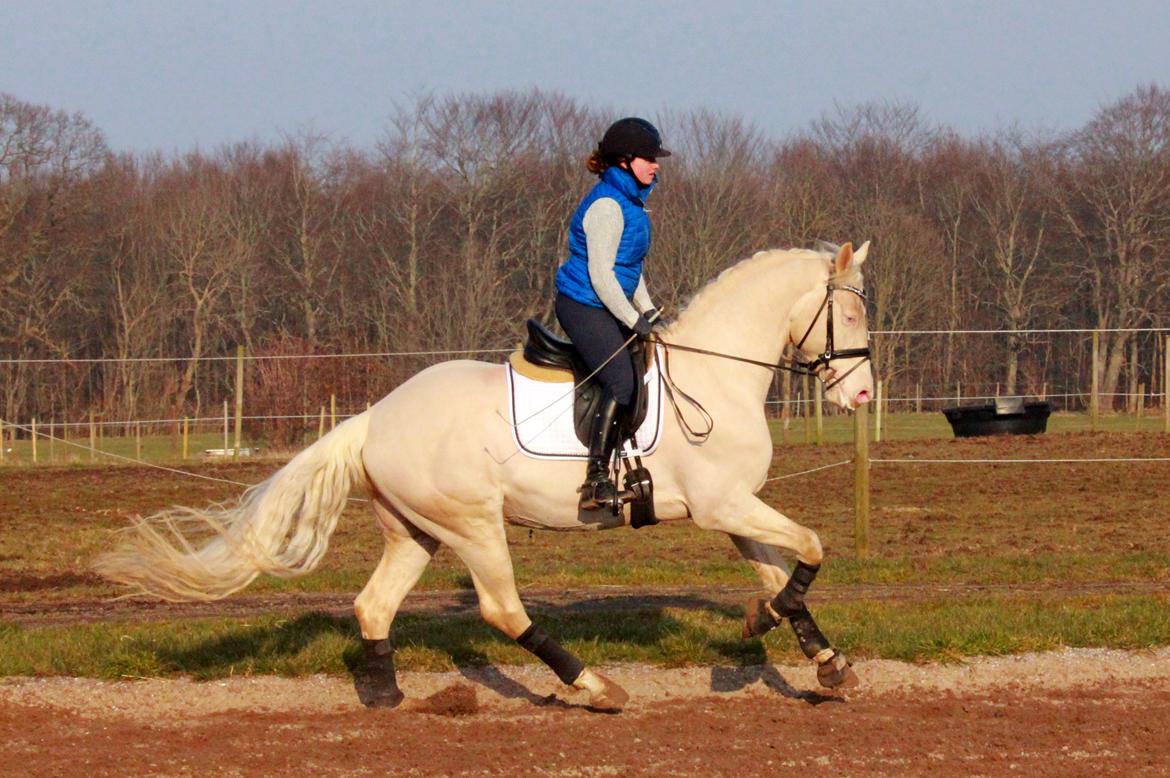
(316, 643)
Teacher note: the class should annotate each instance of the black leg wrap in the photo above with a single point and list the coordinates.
(808, 634)
(790, 601)
(565, 665)
(377, 682)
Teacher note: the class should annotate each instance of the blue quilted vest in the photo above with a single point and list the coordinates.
(573, 276)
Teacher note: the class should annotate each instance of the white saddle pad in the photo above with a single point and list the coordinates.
(542, 418)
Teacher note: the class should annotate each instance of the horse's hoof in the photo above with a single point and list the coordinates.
(378, 692)
(604, 694)
(757, 618)
(835, 673)
(612, 698)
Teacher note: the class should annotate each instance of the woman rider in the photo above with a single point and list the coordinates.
(601, 295)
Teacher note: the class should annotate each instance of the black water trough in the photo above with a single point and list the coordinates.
(1011, 416)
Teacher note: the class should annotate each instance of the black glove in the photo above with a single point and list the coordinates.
(642, 327)
(653, 316)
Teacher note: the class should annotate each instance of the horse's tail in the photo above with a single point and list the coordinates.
(280, 526)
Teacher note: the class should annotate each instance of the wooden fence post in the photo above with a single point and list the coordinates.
(332, 411)
(861, 480)
(1094, 406)
(321, 424)
(92, 437)
(52, 440)
(239, 399)
(818, 394)
(185, 437)
(32, 438)
(805, 411)
(2, 441)
(225, 427)
(877, 414)
(1139, 407)
(918, 397)
(786, 408)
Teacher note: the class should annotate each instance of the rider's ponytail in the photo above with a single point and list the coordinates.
(596, 163)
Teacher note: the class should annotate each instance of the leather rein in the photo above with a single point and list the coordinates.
(812, 367)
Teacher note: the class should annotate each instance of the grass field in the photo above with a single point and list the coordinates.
(800, 430)
(935, 525)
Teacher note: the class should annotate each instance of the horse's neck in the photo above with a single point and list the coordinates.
(745, 313)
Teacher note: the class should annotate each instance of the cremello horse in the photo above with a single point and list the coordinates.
(436, 455)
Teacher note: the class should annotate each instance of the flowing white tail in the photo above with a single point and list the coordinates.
(280, 526)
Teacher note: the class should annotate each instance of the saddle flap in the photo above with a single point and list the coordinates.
(547, 350)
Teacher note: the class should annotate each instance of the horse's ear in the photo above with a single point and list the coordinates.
(844, 257)
(859, 255)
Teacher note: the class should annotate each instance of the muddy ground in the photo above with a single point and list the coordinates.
(1068, 713)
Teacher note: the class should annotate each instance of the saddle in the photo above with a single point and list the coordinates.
(548, 352)
(545, 349)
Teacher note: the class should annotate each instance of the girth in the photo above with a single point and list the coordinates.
(545, 349)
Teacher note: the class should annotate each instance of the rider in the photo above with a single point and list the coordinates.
(601, 295)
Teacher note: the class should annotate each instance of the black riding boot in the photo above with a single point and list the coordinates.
(598, 490)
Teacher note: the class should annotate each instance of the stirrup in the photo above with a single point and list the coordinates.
(591, 501)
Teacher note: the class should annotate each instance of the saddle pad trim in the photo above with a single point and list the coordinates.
(655, 413)
(550, 375)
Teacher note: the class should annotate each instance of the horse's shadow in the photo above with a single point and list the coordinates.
(644, 621)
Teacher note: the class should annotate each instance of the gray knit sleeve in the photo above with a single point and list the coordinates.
(603, 225)
(642, 299)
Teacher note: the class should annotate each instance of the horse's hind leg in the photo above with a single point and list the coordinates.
(490, 564)
(404, 558)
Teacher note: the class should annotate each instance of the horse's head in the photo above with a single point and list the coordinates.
(828, 327)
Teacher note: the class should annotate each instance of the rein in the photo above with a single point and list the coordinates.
(813, 367)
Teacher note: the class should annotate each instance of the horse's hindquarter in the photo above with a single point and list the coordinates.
(441, 446)
(429, 440)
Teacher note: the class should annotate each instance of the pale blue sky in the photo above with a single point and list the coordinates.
(174, 75)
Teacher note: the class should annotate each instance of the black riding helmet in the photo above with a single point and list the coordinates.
(632, 137)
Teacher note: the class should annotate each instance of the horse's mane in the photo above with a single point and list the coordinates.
(712, 288)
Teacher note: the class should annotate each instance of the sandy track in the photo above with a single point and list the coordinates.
(1073, 712)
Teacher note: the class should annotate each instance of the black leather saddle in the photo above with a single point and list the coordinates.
(547, 350)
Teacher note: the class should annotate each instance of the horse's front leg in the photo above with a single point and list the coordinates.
(757, 530)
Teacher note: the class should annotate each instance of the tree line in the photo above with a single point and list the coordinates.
(447, 233)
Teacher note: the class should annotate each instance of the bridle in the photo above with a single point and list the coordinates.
(820, 364)
(813, 367)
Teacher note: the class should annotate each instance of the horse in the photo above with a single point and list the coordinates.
(439, 460)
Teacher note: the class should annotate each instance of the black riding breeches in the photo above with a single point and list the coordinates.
(598, 336)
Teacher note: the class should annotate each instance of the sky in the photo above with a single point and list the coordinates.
(173, 75)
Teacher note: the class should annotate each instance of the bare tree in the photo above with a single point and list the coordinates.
(46, 235)
(1013, 217)
(1112, 188)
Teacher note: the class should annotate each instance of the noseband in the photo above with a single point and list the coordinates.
(820, 364)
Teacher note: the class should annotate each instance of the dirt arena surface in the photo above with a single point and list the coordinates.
(1068, 713)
